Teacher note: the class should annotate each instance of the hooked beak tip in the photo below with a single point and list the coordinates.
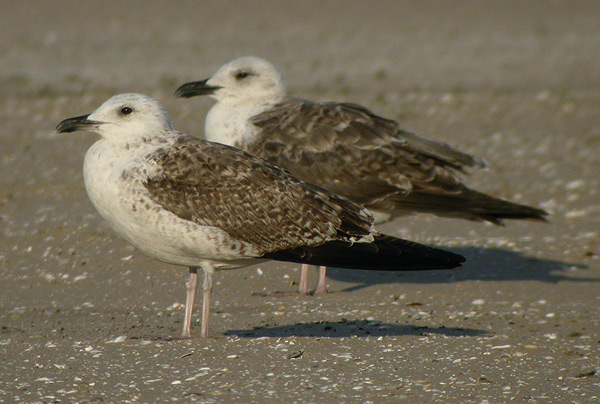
(195, 88)
(74, 124)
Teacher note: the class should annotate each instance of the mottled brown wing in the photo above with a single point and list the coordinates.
(216, 185)
(443, 153)
(350, 151)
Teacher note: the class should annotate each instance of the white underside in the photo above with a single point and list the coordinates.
(126, 205)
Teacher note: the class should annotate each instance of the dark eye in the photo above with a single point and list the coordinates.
(242, 75)
(126, 110)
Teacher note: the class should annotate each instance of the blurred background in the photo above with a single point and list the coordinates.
(374, 46)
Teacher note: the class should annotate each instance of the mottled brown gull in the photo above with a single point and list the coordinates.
(205, 205)
(343, 148)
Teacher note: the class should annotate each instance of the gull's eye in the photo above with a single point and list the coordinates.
(242, 75)
(126, 110)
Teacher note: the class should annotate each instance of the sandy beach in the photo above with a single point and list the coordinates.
(85, 318)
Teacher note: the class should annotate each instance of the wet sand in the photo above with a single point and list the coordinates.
(85, 318)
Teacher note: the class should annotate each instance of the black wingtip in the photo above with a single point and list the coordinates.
(386, 253)
(470, 204)
(517, 212)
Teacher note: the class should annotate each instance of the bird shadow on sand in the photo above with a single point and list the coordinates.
(347, 328)
(483, 264)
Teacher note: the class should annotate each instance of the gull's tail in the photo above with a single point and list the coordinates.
(386, 253)
(468, 204)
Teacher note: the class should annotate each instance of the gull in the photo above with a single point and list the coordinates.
(195, 203)
(344, 148)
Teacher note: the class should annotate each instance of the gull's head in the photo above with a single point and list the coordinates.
(243, 79)
(124, 117)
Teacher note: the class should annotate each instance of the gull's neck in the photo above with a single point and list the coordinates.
(228, 121)
(129, 142)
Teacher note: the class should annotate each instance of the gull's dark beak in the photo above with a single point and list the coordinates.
(74, 124)
(195, 88)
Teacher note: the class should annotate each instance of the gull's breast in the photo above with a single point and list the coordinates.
(122, 200)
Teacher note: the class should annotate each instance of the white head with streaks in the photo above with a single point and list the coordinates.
(243, 79)
(123, 118)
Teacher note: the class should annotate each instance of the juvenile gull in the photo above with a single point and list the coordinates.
(344, 148)
(205, 205)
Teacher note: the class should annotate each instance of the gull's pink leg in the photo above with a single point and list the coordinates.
(207, 286)
(321, 287)
(191, 286)
(303, 287)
